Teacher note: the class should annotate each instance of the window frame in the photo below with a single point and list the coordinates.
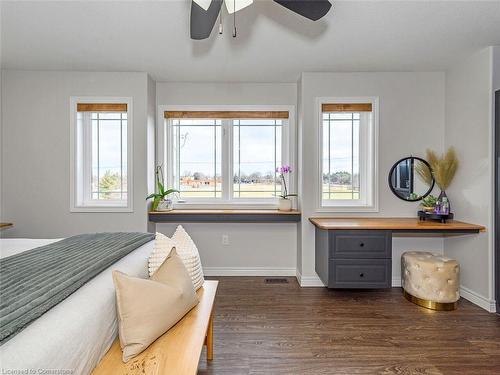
(347, 205)
(77, 187)
(165, 155)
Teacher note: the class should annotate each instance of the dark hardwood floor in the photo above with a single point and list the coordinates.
(284, 329)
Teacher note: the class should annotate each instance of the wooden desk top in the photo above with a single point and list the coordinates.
(400, 224)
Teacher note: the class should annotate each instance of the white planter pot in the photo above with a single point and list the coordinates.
(165, 205)
(285, 204)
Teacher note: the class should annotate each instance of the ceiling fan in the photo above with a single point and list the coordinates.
(204, 13)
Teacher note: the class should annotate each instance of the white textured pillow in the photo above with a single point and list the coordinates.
(162, 247)
(186, 249)
(189, 254)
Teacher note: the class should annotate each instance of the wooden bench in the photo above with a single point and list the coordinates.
(177, 351)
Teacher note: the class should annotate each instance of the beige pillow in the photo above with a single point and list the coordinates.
(149, 308)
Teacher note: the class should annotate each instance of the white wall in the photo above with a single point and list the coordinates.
(496, 68)
(151, 135)
(1, 154)
(411, 120)
(35, 151)
(496, 87)
(469, 129)
(300, 168)
(184, 93)
(254, 249)
(267, 249)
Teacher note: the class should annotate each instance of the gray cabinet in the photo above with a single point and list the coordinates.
(354, 258)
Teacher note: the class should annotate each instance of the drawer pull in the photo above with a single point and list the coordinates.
(361, 274)
(361, 244)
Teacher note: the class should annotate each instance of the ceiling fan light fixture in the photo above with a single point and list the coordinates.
(236, 5)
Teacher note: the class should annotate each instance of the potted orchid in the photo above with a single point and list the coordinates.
(285, 203)
(161, 200)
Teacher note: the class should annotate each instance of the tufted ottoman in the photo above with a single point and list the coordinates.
(430, 280)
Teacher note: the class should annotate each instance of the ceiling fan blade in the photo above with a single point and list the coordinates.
(312, 9)
(236, 5)
(202, 22)
(205, 4)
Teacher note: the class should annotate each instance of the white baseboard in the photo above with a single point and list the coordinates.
(248, 271)
(315, 281)
(477, 299)
(308, 281)
(396, 281)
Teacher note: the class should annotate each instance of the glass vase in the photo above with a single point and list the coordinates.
(440, 201)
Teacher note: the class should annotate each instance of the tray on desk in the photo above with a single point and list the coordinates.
(422, 215)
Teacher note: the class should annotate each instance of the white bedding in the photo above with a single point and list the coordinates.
(73, 336)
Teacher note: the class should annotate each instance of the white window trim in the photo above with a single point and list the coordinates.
(346, 206)
(164, 154)
(100, 206)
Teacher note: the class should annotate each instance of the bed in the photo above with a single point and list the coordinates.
(74, 335)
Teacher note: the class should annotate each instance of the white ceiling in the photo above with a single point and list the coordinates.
(273, 44)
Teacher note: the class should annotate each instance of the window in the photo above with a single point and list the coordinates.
(257, 154)
(101, 151)
(197, 157)
(348, 155)
(226, 157)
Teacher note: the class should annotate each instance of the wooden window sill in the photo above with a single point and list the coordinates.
(225, 216)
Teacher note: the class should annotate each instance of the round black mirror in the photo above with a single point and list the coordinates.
(411, 179)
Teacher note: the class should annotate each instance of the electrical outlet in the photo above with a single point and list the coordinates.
(225, 239)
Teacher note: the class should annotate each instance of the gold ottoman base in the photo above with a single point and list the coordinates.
(439, 306)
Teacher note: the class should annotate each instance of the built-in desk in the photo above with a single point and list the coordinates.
(357, 252)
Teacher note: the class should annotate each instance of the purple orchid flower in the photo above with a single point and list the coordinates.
(285, 169)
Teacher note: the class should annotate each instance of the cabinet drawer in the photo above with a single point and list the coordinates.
(360, 244)
(360, 273)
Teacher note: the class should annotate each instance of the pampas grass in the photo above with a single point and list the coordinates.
(424, 172)
(443, 168)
